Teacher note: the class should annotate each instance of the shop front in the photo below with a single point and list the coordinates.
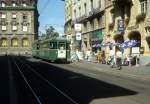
(96, 38)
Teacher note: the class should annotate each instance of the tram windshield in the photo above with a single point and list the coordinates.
(61, 45)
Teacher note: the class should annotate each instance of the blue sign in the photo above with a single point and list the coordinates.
(120, 25)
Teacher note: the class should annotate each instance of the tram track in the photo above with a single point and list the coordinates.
(43, 90)
(24, 92)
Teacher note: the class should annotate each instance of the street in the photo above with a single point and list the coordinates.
(26, 80)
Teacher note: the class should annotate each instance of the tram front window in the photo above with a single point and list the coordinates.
(62, 46)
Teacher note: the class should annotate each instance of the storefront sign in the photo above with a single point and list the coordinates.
(120, 25)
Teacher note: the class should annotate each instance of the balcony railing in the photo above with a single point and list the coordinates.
(95, 11)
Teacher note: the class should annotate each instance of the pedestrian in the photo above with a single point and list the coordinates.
(78, 55)
(99, 57)
(112, 57)
(103, 57)
(88, 54)
(118, 58)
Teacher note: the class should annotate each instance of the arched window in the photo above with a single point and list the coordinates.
(14, 42)
(25, 42)
(4, 42)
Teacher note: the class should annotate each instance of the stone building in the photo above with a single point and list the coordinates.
(68, 20)
(18, 26)
(130, 21)
(90, 14)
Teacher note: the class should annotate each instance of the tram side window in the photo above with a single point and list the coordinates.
(53, 45)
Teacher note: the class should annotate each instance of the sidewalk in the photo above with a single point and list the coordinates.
(142, 72)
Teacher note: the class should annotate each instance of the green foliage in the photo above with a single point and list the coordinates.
(51, 33)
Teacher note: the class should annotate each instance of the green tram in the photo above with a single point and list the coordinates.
(52, 49)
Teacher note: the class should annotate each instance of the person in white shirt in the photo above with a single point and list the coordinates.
(111, 57)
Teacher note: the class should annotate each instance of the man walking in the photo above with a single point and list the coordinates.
(118, 58)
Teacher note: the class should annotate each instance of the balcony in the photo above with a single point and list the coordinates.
(95, 11)
(82, 18)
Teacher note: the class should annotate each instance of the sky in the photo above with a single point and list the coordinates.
(51, 13)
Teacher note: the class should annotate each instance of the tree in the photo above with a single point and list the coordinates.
(51, 33)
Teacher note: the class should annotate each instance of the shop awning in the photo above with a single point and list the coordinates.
(129, 44)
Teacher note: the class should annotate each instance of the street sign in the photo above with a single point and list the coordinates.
(77, 27)
(78, 36)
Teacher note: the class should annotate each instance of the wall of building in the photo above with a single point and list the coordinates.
(22, 14)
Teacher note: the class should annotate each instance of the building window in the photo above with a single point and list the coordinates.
(25, 28)
(4, 28)
(85, 27)
(14, 16)
(14, 28)
(14, 42)
(13, 4)
(24, 4)
(24, 17)
(75, 14)
(3, 15)
(143, 4)
(99, 3)
(91, 4)
(92, 24)
(25, 42)
(79, 11)
(85, 8)
(3, 4)
(4, 42)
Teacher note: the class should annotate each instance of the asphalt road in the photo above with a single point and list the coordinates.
(25, 80)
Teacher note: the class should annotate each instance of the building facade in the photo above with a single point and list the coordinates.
(129, 20)
(90, 14)
(113, 21)
(68, 21)
(18, 26)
